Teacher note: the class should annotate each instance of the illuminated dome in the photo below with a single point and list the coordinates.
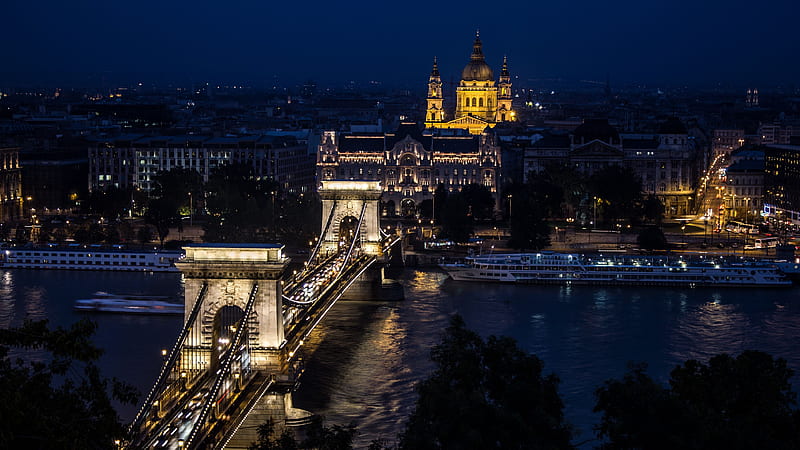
(477, 69)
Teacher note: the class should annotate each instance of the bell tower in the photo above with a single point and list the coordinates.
(435, 112)
(505, 113)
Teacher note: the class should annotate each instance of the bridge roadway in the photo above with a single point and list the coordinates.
(307, 299)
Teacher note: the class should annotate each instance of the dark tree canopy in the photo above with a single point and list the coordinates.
(651, 238)
(486, 394)
(618, 194)
(318, 437)
(457, 223)
(729, 403)
(653, 209)
(59, 399)
(480, 203)
(530, 207)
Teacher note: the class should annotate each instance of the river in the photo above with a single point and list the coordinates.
(364, 359)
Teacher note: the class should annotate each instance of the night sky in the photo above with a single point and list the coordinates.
(670, 42)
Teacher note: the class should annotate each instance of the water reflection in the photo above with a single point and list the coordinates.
(584, 334)
(35, 308)
(7, 299)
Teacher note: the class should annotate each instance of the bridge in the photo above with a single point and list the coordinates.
(238, 357)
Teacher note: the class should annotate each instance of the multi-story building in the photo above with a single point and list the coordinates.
(782, 183)
(410, 164)
(665, 161)
(727, 141)
(480, 101)
(133, 161)
(10, 185)
(745, 188)
(777, 133)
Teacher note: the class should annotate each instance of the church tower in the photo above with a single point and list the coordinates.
(505, 113)
(476, 94)
(481, 102)
(435, 112)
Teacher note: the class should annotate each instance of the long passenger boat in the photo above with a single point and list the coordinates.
(89, 257)
(563, 268)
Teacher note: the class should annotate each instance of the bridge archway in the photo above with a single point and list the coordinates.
(223, 331)
(343, 199)
(347, 229)
(230, 273)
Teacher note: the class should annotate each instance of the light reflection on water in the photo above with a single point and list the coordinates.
(364, 360)
(584, 334)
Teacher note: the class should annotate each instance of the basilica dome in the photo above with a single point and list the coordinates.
(477, 69)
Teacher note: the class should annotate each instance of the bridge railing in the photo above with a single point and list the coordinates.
(312, 257)
(169, 378)
(356, 235)
(224, 377)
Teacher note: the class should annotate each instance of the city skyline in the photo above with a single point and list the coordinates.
(670, 43)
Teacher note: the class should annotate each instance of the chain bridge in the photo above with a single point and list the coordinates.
(237, 357)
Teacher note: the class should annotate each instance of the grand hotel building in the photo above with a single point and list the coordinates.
(410, 163)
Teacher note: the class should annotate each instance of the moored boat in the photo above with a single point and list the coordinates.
(91, 257)
(561, 268)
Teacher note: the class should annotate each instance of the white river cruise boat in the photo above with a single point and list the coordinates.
(88, 258)
(562, 268)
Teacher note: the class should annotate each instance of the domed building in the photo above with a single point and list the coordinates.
(480, 101)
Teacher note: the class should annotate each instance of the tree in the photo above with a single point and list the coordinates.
(651, 238)
(733, 403)
(59, 400)
(179, 186)
(480, 202)
(653, 209)
(21, 235)
(318, 437)
(485, 394)
(242, 207)
(162, 213)
(144, 234)
(110, 202)
(618, 193)
(570, 182)
(529, 229)
(455, 218)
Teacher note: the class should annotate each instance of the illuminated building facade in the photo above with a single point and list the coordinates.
(10, 185)
(480, 101)
(727, 141)
(134, 161)
(665, 161)
(410, 164)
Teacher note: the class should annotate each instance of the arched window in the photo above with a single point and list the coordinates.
(474, 102)
(480, 102)
(466, 101)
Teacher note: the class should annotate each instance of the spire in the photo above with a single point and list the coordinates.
(504, 71)
(435, 70)
(477, 48)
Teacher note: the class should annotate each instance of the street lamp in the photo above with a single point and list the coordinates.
(747, 210)
(191, 216)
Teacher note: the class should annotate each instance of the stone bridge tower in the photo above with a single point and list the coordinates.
(346, 200)
(230, 272)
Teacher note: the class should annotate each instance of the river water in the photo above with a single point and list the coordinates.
(364, 359)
